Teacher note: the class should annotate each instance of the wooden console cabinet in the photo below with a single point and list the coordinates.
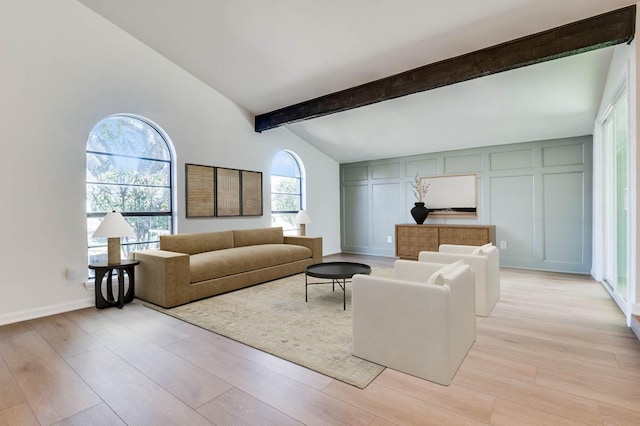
(412, 239)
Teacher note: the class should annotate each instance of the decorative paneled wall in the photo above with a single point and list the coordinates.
(537, 194)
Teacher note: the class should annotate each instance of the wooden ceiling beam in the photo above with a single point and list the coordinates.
(582, 36)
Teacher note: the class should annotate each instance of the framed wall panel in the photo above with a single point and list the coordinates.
(200, 191)
(251, 193)
(227, 192)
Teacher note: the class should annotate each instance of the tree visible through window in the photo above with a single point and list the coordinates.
(286, 191)
(128, 170)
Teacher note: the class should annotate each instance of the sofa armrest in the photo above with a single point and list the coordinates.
(162, 277)
(312, 243)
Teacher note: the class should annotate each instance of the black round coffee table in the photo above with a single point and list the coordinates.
(337, 272)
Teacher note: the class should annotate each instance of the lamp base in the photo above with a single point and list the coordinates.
(113, 251)
(303, 229)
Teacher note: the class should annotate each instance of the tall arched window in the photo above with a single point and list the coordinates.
(129, 170)
(286, 191)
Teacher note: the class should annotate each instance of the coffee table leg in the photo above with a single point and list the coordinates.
(306, 278)
(344, 294)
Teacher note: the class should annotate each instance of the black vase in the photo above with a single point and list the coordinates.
(419, 213)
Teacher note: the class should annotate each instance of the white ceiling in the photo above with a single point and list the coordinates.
(265, 55)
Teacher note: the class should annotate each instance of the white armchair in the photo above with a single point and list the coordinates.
(485, 261)
(420, 321)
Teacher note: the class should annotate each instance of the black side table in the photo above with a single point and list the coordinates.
(107, 269)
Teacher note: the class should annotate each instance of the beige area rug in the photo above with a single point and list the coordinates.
(274, 318)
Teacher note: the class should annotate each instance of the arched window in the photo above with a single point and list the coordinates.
(286, 191)
(129, 170)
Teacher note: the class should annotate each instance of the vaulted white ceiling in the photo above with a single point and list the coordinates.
(265, 55)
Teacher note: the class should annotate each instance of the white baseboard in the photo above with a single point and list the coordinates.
(44, 311)
(635, 326)
(90, 285)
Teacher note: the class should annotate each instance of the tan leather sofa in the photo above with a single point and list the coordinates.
(189, 267)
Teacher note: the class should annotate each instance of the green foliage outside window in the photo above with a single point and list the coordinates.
(286, 191)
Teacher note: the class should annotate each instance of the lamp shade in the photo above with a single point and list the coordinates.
(113, 226)
(302, 218)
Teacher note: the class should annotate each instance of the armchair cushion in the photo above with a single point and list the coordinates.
(410, 270)
(483, 250)
(438, 277)
(456, 248)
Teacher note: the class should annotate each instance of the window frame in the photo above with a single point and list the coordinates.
(300, 195)
(170, 185)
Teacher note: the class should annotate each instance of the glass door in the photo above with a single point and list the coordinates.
(616, 199)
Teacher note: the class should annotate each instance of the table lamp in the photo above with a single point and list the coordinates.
(113, 227)
(302, 219)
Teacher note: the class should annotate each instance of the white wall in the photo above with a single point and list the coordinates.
(622, 72)
(634, 172)
(63, 69)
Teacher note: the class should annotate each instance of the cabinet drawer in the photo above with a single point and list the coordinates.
(410, 240)
(465, 236)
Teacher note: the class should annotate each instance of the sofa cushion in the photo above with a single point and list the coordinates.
(252, 237)
(197, 243)
(221, 263)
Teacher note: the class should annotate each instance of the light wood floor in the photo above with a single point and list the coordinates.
(555, 351)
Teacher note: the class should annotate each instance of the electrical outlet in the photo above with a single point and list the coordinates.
(71, 274)
(503, 245)
(389, 239)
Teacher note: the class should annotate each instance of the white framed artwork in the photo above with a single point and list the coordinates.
(452, 196)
